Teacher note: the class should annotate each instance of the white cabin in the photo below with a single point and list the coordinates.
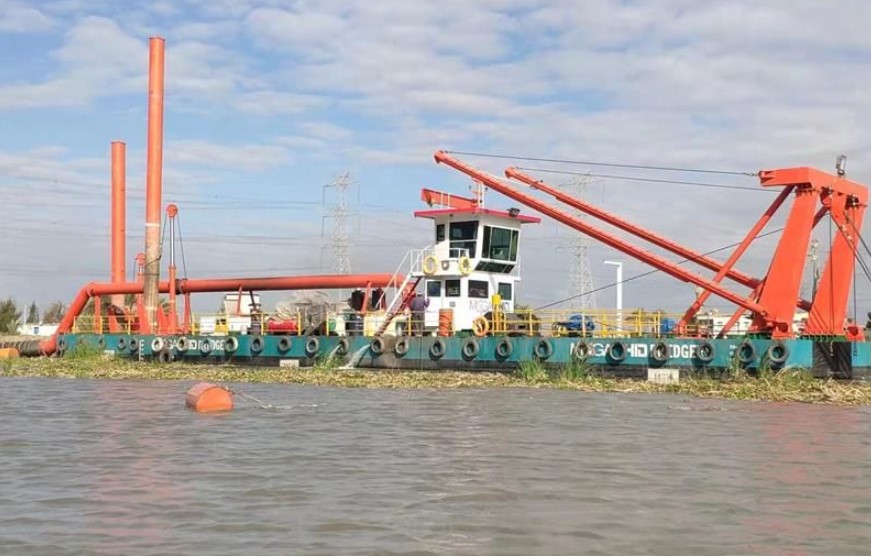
(475, 257)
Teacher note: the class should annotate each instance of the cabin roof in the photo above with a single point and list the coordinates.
(432, 213)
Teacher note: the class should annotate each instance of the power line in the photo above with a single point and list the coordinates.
(649, 180)
(656, 270)
(604, 164)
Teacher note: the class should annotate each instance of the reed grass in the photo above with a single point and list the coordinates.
(770, 385)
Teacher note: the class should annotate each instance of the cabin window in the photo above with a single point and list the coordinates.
(452, 288)
(478, 289)
(433, 288)
(487, 266)
(440, 232)
(463, 236)
(500, 244)
(505, 291)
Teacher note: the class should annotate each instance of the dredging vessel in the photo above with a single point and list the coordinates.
(467, 279)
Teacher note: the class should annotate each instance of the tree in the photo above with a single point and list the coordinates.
(33, 314)
(9, 317)
(54, 313)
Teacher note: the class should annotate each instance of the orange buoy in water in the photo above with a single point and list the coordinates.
(9, 353)
(204, 397)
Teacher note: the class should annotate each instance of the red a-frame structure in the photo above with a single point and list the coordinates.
(774, 297)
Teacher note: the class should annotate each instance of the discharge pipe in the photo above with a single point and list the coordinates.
(31, 348)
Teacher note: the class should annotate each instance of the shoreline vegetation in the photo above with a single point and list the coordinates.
(782, 386)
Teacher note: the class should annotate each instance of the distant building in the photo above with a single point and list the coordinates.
(37, 329)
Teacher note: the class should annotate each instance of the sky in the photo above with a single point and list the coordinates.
(268, 101)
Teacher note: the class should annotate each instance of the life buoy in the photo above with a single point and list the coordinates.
(581, 350)
(543, 349)
(157, 344)
(377, 346)
(256, 344)
(470, 348)
(706, 352)
(284, 344)
(504, 348)
(181, 345)
(746, 353)
(344, 347)
(465, 265)
(778, 353)
(206, 347)
(659, 352)
(617, 352)
(312, 345)
(480, 326)
(122, 343)
(401, 347)
(437, 349)
(231, 344)
(430, 265)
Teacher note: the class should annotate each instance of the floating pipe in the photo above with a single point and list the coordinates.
(153, 181)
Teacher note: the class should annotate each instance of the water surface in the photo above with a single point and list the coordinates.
(120, 467)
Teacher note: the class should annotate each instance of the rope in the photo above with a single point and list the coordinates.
(650, 180)
(261, 404)
(604, 164)
(184, 265)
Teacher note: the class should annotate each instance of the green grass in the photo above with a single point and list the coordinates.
(789, 385)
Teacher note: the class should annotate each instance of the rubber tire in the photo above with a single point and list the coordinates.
(157, 344)
(401, 347)
(746, 353)
(622, 352)
(437, 349)
(662, 358)
(376, 346)
(344, 347)
(164, 356)
(101, 342)
(706, 347)
(312, 345)
(777, 360)
(182, 344)
(543, 349)
(504, 348)
(62, 344)
(581, 351)
(122, 343)
(231, 344)
(284, 344)
(133, 344)
(206, 346)
(470, 349)
(256, 344)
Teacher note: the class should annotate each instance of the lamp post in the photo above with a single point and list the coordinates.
(619, 266)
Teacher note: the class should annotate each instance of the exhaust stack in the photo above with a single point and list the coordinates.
(118, 247)
(154, 182)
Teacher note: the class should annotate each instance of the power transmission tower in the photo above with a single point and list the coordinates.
(581, 274)
(339, 213)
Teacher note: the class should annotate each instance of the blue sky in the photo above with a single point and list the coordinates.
(268, 100)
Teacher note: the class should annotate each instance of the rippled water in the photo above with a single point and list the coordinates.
(112, 467)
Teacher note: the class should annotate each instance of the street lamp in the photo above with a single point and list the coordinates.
(619, 266)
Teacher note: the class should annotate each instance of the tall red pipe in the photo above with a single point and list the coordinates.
(153, 181)
(171, 213)
(118, 234)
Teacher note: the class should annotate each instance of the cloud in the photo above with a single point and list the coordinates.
(244, 157)
(18, 17)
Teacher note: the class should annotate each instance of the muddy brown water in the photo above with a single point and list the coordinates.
(120, 467)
